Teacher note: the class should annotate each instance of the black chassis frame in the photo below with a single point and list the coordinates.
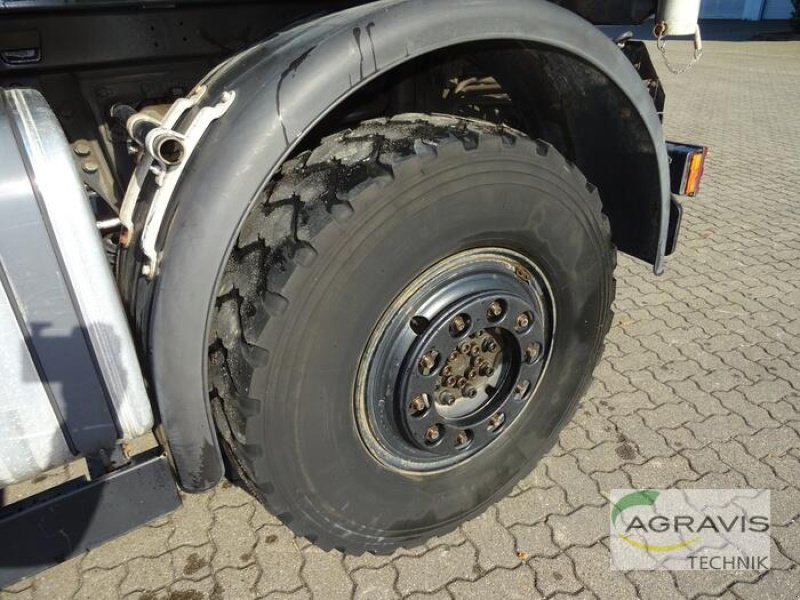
(287, 86)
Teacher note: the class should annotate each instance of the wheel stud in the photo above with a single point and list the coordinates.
(532, 352)
(433, 433)
(428, 362)
(419, 404)
(496, 422)
(459, 324)
(522, 388)
(523, 320)
(463, 438)
(447, 399)
(495, 310)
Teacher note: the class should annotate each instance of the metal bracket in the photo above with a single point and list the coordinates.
(169, 177)
(175, 112)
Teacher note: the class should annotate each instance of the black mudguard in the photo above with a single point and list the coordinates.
(284, 86)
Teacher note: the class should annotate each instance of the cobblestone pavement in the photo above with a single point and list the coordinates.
(698, 388)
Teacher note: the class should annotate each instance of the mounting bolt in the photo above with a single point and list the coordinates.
(459, 324)
(495, 310)
(523, 320)
(462, 438)
(447, 399)
(419, 404)
(89, 166)
(496, 421)
(487, 370)
(469, 391)
(433, 433)
(81, 148)
(428, 362)
(464, 348)
(532, 352)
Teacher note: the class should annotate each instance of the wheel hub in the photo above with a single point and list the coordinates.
(455, 360)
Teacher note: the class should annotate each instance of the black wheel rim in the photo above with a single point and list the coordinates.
(455, 360)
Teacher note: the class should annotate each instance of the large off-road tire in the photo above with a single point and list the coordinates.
(409, 316)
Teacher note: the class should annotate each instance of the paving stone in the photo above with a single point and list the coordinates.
(555, 575)
(279, 559)
(532, 506)
(435, 568)
(655, 584)
(577, 485)
(495, 545)
(500, 584)
(62, 581)
(375, 584)
(232, 535)
(592, 568)
(534, 540)
(584, 527)
(146, 574)
(661, 473)
(648, 442)
(100, 583)
(325, 575)
(238, 583)
(775, 584)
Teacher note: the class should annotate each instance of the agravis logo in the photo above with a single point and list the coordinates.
(690, 529)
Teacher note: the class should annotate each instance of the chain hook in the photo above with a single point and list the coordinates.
(660, 31)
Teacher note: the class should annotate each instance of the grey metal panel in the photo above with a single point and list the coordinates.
(76, 365)
(31, 439)
(94, 293)
(52, 328)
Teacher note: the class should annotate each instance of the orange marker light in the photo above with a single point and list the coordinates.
(695, 172)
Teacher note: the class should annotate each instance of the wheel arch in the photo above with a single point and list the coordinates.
(284, 87)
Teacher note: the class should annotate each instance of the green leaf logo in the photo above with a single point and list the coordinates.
(640, 498)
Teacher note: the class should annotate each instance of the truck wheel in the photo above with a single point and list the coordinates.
(409, 316)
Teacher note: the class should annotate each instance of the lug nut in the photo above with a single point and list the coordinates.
(419, 404)
(522, 387)
(496, 421)
(428, 362)
(495, 310)
(532, 352)
(433, 433)
(523, 320)
(459, 324)
(463, 438)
